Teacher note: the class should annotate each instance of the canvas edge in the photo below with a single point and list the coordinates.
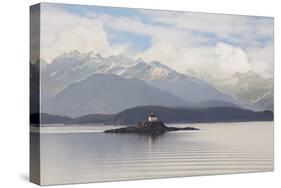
(34, 94)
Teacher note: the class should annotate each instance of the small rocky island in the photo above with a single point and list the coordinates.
(151, 126)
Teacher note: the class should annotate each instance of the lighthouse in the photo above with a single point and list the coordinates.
(152, 117)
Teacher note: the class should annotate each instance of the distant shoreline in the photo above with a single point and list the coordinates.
(168, 115)
(101, 125)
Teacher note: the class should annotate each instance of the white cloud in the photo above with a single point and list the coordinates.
(262, 60)
(62, 32)
(155, 32)
(176, 42)
(230, 60)
(178, 39)
(221, 25)
(221, 61)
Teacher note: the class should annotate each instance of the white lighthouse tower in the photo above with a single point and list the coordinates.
(152, 117)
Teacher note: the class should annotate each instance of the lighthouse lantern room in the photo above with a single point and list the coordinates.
(152, 117)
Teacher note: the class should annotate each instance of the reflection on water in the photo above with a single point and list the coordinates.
(86, 154)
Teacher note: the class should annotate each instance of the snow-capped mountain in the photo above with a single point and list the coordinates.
(86, 64)
(75, 66)
(247, 87)
(150, 71)
(265, 102)
(202, 75)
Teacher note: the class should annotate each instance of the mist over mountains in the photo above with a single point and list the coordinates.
(76, 84)
(248, 87)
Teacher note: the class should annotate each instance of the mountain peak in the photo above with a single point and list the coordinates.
(139, 60)
(252, 73)
(92, 54)
(73, 53)
(236, 75)
(157, 64)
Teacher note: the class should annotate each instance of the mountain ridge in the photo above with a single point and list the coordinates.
(247, 87)
(107, 94)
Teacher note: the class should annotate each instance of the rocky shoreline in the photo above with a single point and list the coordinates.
(147, 127)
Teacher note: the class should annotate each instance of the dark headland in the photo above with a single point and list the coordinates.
(151, 126)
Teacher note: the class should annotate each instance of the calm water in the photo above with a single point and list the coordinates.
(86, 154)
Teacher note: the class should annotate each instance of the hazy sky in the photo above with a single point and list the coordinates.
(214, 43)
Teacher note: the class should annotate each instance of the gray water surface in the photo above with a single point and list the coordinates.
(79, 154)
